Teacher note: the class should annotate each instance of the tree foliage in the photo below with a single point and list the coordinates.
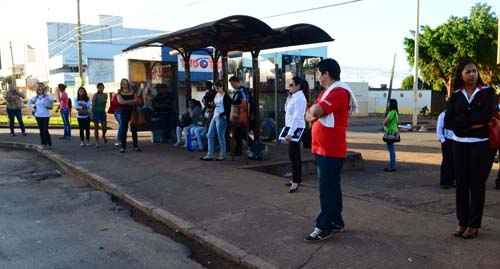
(441, 48)
(407, 83)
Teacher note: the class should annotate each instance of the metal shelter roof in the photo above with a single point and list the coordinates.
(238, 33)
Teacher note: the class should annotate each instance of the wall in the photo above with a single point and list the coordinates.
(378, 100)
(360, 91)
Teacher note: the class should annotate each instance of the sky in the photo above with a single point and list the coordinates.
(367, 33)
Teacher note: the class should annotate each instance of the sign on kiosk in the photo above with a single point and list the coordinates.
(198, 63)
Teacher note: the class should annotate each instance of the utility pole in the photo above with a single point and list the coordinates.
(79, 44)
(415, 76)
(13, 65)
(389, 95)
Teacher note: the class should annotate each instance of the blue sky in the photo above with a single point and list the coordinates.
(367, 33)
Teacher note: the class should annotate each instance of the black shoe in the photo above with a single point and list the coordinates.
(12, 135)
(24, 134)
(317, 235)
(497, 186)
(389, 170)
(137, 149)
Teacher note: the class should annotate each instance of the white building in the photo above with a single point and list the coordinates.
(377, 101)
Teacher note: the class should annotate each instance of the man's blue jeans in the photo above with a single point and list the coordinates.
(66, 122)
(198, 132)
(330, 193)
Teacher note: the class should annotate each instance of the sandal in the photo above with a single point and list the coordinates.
(460, 231)
(470, 233)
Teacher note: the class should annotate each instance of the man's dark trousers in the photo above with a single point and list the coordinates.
(330, 193)
(447, 170)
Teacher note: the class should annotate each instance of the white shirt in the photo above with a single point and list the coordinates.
(41, 105)
(441, 132)
(219, 104)
(295, 110)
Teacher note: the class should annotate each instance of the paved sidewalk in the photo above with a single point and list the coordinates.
(401, 220)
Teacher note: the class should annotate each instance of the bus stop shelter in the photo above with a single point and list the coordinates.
(235, 33)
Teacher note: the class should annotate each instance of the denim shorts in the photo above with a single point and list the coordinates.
(99, 117)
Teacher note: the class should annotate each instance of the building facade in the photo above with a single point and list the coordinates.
(100, 43)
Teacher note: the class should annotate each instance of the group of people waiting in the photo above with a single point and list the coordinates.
(218, 124)
(124, 105)
(467, 153)
(463, 130)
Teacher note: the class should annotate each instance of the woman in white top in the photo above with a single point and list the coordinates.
(41, 105)
(83, 106)
(295, 109)
(218, 124)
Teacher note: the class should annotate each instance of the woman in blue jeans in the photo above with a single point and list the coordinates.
(391, 127)
(218, 124)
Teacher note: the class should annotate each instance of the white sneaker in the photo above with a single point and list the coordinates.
(82, 144)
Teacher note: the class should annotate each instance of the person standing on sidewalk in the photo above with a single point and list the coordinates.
(218, 124)
(329, 118)
(14, 99)
(41, 105)
(114, 108)
(64, 109)
(128, 101)
(470, 108)
(239, 117)
(295, 109)
(391, 133)
(83, 106)
(445, 137)
(99, 102)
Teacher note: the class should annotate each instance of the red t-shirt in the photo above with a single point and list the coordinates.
(331, 142)
(63, 100)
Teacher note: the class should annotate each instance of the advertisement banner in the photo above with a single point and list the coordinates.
(198, 63)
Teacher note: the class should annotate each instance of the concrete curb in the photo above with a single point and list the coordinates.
(217, 245)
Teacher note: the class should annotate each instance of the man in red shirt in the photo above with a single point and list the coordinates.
(329, 118)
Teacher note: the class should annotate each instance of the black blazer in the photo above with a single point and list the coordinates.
(462, 116)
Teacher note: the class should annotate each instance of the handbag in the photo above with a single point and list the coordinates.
(138, 120)
(494, 131)
(239, 114)
(391, 138)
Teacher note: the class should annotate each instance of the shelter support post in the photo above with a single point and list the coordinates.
(186, 56)
(256, 91)
(224, 70)
(215, 64)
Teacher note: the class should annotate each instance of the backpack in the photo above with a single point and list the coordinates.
(251, 103)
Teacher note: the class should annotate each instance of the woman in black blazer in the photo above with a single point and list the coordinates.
(469, 110)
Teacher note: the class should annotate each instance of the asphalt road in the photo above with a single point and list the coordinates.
(49, 220)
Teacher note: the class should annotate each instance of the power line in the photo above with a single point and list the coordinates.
(312, 9)
(84, 33)
(74, 30)
(122, 38)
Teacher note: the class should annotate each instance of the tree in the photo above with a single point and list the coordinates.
(407, 83)
(441, 48)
